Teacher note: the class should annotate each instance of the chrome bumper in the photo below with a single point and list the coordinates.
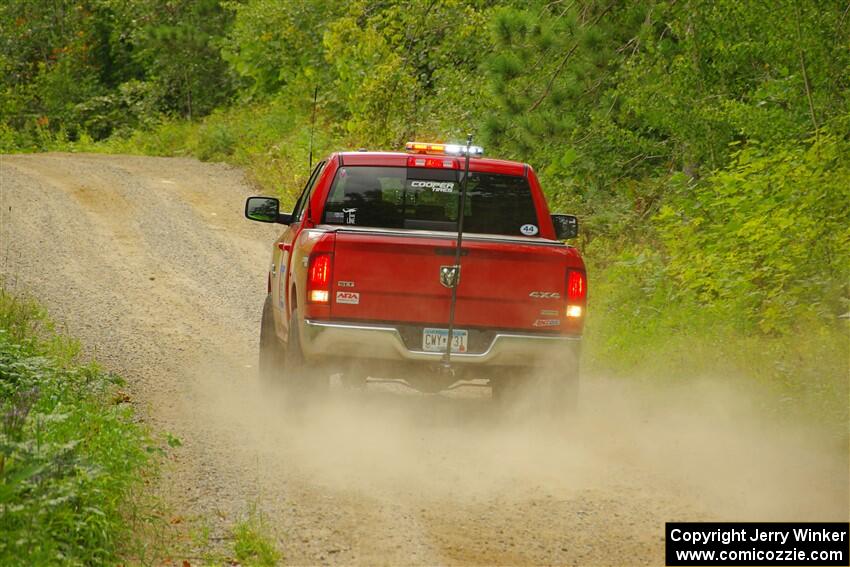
(357, 340)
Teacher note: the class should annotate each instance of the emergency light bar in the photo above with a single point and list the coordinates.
(443, 149)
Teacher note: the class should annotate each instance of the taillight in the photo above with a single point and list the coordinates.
(319, 278)
(576, 286)
(576, 293)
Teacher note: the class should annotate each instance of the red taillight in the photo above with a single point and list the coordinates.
(576, 294)
(319, 278)
(576, 286)
(320, 267)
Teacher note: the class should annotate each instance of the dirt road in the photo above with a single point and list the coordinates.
(150, 262)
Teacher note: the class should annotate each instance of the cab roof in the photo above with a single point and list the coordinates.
(401, 159)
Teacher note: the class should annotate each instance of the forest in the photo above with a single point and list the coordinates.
(703, 144)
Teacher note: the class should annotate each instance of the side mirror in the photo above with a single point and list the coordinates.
(566, 226)
(265, 209)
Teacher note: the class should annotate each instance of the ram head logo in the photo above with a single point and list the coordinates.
(450, 276)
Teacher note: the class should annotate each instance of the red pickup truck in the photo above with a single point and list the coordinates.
(367, 279)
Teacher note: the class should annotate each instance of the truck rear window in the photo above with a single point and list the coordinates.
(428, 199)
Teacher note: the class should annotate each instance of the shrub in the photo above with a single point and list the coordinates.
(69, 456)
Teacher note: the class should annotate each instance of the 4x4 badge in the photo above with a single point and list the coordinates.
(545, 295)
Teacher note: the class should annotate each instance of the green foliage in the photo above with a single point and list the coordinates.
(103, 67)
(179, 51)
(69, 457)
(403, 69)
(643, 87)
(251, 542)
(277, 43)
(216, 141)
(169, 138)
(768, 237)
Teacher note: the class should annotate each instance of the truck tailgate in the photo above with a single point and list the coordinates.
(509, 283)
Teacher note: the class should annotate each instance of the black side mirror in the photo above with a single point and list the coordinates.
(566, 226)
(265, 209)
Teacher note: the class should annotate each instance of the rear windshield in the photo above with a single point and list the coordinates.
(428, 199)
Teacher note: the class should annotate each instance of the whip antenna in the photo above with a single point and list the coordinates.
(446, 364)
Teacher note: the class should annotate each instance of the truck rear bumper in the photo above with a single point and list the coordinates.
(321, 339)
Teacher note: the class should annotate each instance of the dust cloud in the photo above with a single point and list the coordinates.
(701, 452)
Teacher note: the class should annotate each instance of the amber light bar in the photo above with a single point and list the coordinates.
(442, 149)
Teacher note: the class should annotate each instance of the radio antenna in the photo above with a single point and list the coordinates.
(312, 127)
(454, 278)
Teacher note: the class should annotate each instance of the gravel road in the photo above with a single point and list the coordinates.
(151, 264)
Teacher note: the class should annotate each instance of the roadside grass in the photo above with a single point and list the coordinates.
(247, 542)
(252, 542)
(201, 546)
(73, 459)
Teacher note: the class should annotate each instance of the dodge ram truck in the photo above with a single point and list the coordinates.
(367, 278)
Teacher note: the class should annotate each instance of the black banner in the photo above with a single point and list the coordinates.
(754, 543)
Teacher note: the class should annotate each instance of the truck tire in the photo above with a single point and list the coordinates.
(301, 377)
(271, 358)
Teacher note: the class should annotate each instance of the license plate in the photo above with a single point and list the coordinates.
(434, 340)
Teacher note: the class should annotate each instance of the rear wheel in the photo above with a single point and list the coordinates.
(272, 357)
